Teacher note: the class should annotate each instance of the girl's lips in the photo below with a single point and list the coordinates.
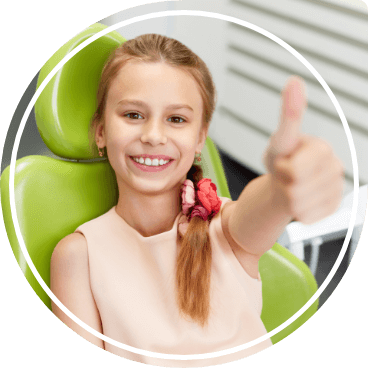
(151, 168)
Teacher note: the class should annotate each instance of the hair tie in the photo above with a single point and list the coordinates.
(209, 202)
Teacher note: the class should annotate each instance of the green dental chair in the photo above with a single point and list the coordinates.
(54, 196)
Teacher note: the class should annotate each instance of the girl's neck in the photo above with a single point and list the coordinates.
(149, 214)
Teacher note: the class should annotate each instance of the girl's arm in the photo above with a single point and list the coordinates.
(304, 182)
(257, 219)
(71, 285)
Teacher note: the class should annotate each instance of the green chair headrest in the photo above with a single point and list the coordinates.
(65, 107)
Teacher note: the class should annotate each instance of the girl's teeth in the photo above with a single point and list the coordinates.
(149, 162)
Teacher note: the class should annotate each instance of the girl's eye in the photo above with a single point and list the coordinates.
(177, 119)
(133, 115)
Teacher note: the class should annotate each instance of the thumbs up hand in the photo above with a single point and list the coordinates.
(307, 177)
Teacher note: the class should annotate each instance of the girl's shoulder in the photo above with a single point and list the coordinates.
(71, 248)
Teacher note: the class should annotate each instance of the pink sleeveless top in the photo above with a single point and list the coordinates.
(133, 283)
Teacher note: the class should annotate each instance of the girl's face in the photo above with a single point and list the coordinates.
(154, 115)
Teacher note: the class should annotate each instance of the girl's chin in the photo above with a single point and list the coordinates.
(152, 186)
(157, 185)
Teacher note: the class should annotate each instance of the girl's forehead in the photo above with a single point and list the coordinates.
(155, 79)
(151, 67)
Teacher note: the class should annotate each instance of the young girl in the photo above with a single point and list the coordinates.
(173, 268)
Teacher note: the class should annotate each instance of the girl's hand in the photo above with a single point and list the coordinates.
(307, 177)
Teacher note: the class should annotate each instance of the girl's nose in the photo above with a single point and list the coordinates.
(154, 133)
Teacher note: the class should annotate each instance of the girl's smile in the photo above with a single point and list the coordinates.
(151, 163)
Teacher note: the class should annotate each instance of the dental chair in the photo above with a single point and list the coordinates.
(54, 196)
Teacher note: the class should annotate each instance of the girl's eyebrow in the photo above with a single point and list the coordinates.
(142, 104)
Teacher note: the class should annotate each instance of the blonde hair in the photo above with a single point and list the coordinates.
(193, 268)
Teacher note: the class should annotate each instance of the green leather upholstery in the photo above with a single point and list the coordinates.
(65, 107)
(53, 197)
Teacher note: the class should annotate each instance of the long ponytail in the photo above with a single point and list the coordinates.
(193, 272)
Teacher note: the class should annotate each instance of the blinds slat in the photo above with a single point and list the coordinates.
(356, 9)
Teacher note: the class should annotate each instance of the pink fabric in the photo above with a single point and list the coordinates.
(200, 211)
(187, 196)
(133, 283)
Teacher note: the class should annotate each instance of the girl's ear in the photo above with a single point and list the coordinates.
(100, 136)
(202, 139)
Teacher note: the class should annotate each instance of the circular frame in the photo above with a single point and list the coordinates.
(244, 24)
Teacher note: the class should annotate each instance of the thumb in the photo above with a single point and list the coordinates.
(294, 102)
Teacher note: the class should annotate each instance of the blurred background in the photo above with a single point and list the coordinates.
(250, 71)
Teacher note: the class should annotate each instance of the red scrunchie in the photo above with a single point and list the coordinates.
(209, 203)
(207, 194)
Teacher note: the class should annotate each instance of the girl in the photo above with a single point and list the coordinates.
(173, 268)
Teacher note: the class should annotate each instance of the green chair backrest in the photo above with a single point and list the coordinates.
(53, 197)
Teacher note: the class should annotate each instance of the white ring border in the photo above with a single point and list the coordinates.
(158, 15)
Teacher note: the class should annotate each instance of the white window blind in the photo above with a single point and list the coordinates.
(333, 38)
